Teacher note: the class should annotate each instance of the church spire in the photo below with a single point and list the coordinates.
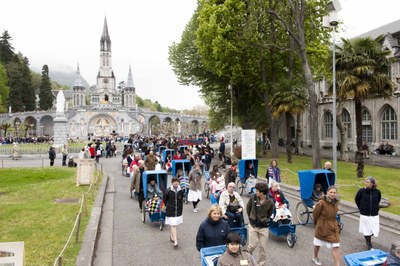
(78, 79)
(105, 38)
(129, 83)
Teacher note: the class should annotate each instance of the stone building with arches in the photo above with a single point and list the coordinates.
(111, 110)
(380, 117)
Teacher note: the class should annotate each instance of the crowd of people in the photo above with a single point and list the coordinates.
(267, 204)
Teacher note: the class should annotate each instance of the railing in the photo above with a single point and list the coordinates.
(77, 224)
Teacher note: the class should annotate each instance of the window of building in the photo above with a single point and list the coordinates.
(366, 125)
(389, 124)
(328, 123)
(347, 122)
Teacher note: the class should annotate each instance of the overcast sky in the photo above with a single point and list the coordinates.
(62, 33)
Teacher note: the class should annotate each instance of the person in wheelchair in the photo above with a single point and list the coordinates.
(232, 206)
(282, 212)
(153, 191)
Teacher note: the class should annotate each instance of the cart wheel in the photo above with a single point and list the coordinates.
(207, 189)
(144, 212)
(240, 187)
(302, 213)
(291, 239)
(161, 222)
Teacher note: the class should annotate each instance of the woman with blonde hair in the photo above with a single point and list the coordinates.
(213, 230)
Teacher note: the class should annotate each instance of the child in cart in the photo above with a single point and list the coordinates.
(317, 194)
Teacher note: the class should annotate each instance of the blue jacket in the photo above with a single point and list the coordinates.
(211, 233)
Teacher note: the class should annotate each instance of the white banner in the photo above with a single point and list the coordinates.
(249, 144)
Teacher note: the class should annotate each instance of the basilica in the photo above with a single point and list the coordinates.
(103, 110)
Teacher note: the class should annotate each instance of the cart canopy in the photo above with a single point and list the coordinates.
(308, 178)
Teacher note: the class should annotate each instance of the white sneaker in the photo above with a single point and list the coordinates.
(316, 261)
(194, 210)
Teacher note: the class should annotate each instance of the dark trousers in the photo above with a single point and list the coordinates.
(234, 219)
(51, 162)
(64, 160)
(140, 198)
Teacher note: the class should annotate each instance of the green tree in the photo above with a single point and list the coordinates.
(45, 95)
(6, 50)
(139, 101)
(16, 87)
(4, 89)
(158, 107)
(362, 67)
(28, 93)
(290, 99)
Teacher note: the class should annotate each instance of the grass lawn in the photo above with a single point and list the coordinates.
(388, 179)
(40, 148)
(28, 212)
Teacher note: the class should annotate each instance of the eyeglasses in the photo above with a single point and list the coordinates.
(232, 186)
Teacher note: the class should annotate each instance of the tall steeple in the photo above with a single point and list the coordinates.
(106, 85)
(105, 40)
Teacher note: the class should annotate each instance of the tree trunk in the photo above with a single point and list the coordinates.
(359, 158)
(313, 105)
(343, 133)
(288, 138)
(299, 122)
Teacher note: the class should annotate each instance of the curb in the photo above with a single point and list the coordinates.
(86, 254)
(389, 221)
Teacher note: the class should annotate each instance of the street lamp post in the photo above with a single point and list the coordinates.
(230, 89)
(332, 21)
(17, 125)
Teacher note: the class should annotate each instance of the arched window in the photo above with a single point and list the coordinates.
(347, 122)
(389, 124)
(366, 125)
(328, 123)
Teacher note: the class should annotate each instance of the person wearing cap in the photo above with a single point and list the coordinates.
(367, 200)
(393, 258)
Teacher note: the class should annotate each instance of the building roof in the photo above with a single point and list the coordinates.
(392, 28)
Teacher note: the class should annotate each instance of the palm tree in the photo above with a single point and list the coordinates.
(362, 66)
(290, 98)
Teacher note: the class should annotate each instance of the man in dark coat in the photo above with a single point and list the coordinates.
(52, 155)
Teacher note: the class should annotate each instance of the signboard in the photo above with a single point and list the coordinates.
(249, 144)
(85, 172)
(12, 254)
